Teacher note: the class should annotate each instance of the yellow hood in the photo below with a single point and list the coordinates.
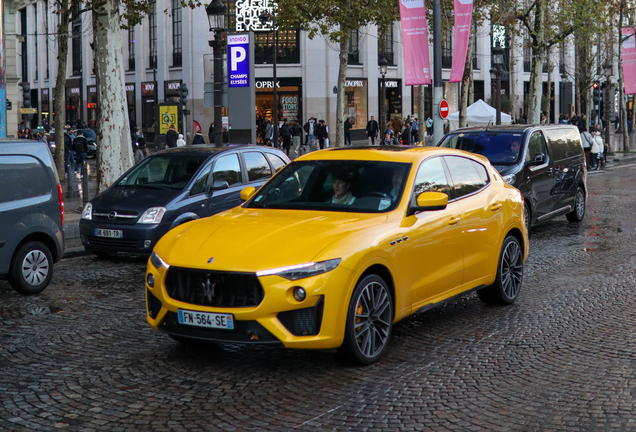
(249, 240)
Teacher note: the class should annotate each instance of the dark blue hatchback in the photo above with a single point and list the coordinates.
(169, 188)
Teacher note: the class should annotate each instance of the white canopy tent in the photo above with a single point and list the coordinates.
(478, 114)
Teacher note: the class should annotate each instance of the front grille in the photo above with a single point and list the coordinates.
(303, 322)
(214, 288)
(243, 332)
(154, 304)
(112, 242)
(120, 217)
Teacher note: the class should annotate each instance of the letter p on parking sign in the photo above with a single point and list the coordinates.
(238, 60)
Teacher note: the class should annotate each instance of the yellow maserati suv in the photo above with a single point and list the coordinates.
(339, 246)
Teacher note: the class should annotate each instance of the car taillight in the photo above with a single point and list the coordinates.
(59, 192)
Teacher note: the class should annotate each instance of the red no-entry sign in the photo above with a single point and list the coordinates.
(443, 109)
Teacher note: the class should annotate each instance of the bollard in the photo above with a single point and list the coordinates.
(84, 183)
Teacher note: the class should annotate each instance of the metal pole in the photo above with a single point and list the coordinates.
(275, 106)
(218, 90)
(383, 113)
(438, 92)
(84, 183)
(498, 98)
(3, 99)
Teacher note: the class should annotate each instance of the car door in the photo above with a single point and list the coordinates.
(196, 200)
(430, 260)
(257, 168)
(538, 184)
(482, 218)
(566, 170)
(226, 168)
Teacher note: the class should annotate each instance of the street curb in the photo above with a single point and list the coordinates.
(74, 253)
(71, 231)
(627, 159)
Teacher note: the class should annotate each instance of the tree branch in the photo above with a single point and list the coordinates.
(558, 38)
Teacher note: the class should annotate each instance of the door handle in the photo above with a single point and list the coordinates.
(454, 220)
(496, 206)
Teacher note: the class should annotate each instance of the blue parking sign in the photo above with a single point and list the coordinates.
(238, 60)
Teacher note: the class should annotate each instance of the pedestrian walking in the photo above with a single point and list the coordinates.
(142, 151)
(211, 133)
(171, 137)
(397, 124)
(347, 132)
(597, 151)
(68, 150)
(286, 135)
(198, 138)
(429, 126)
(268, 135)
(372, 130)
(180, 141)
(406, 134)
(310, 130)
(42, 137)
(80, 147)
(297, 137)
(322, 133)
(389, 140)
(587, 139)
(415, 131)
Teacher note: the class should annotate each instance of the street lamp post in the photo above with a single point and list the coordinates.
(495, 73)
(264, 18)
(383, 63)
(216, 16)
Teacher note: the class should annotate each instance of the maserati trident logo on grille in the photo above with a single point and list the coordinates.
(208, 290)
(210, 260)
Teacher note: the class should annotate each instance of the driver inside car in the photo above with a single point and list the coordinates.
(396, 180)
(514, 147)
(341, 182)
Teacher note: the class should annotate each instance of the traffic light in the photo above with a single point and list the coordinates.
(184, 94)
(596, 92)
(26, 95)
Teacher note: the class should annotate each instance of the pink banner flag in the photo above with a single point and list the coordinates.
(629, 60)
(417, 66)
(463, 18)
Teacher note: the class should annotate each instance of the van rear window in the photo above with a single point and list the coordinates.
(22, 177)
(564, 143)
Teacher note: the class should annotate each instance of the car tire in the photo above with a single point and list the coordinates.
(369, 322)
(31, 268)
(578, 213)
(527, 216)
(103, 254)
(507, 284)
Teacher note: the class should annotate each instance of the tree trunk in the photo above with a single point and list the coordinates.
(342, 75)
(60, 84)
(548, 111)
(466, 81)
(536, 73)
(513, 75)
(113, 132)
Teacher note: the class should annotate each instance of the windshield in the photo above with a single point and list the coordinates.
(89, 133)
(499, 148)
(346, 186)
(168, 171)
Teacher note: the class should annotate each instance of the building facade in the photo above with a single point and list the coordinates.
(171, 47)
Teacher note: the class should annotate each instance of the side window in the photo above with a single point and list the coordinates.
(257, 166)
(199, 185)
(558, 143)
(431, 178)
(277, 162)
(466, 179)
(536, 145)
(22, 177)
(481, 170)
(227, 168)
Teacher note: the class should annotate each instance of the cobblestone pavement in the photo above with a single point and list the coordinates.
(80, 356)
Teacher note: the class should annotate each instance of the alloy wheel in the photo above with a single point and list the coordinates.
(511, 269)
(35, 267)
(373, 319)
(580, 204)
(526, 213)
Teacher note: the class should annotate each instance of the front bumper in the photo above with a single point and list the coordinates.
(317, 322)
(137, 238)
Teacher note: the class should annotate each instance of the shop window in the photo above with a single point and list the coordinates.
(385, 45)
(76, 41)
(354, 50)
(356, 102)
(23, 45)
(288, 47)
(131, 47)
(152, 35)
(176, 33)
(474, 42)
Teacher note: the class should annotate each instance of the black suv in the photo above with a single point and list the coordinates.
(169, 188)
(31, 215)
(546, 163)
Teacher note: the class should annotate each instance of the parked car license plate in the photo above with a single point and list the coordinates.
(100, 232)
(206, 319)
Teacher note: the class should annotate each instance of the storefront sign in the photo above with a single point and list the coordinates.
(354, 83)
(238, 61)
(74, 90)
(92, 89)
(147, 89)
(391, 84)
(130, 87)
(266, 84)
(45, 92)
(290, 106)
(173, 85)
(248, 12)
(169, 115)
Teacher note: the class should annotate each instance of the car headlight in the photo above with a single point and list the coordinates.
(301, 271)
(87, 213)
(156, 261)
(152, 216)
(510, 179)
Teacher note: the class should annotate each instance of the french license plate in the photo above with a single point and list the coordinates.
(99, 232)
(206, 319)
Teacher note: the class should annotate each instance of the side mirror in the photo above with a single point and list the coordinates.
(429, 201)
(539, 159)
(247, 193)
(220, 185)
